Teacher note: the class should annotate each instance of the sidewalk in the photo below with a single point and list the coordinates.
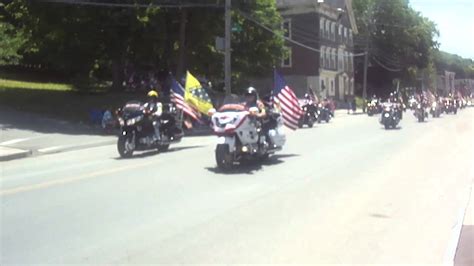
(343, 112)
(465, 250)
(7, 154)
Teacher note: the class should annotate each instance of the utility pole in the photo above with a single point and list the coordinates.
(182, 42)
(366, 65)
(227, 62)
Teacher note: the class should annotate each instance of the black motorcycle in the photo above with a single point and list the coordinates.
(450, 106)
(420, 112)
(390, 118)
(310, 115)
(137, 131)
(324, 114)
(435, 109)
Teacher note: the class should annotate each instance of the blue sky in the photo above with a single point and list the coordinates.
(455, 21)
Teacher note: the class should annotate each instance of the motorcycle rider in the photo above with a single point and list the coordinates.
(394, 100)
(155, 109)
(252, 100)
(308, 99)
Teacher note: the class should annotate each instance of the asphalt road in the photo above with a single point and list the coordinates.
(348, 192)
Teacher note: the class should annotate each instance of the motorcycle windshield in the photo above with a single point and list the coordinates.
(233, 104)
(132, 109)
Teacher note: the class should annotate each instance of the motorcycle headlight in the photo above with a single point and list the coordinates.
(134, 120)
(131, 122)
(386, 115)
(433, 104)
(305, 108)
(418, 106)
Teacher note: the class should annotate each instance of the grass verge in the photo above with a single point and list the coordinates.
(57, 100)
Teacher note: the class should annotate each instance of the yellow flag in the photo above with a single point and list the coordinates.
(196, 95)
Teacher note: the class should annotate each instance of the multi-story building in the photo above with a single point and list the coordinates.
(321, 53)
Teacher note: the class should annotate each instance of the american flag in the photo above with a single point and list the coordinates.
(177, 97)
(288, 101)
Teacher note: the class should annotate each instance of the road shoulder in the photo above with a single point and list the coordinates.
(464, 253)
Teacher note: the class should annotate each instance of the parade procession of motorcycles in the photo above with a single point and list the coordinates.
(244, 134)
(422, 105)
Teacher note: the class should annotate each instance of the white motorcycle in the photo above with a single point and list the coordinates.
(241, 134)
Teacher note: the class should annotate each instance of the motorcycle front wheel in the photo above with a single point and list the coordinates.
(224, 158)
(125, 146)
(163, 148)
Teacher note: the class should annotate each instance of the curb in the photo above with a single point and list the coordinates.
(453, 245)
(17, 155)
(66, 148)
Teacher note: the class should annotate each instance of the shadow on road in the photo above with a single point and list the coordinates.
(251, 166)
(13, 119)
(391, 129)
(379, 215)
(149, 153)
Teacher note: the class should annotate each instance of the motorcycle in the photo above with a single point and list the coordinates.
(373, 108)
(435, 109)
(389, 117)
(324, 114)
(310, 115)
(137, 131)
(240, 134)
(420, 112)
(450, 107)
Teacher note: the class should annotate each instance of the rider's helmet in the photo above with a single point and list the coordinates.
(251, 95)
(152, 95)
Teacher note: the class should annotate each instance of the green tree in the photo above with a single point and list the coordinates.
(87, 42)
(12, 39)
(401, 40)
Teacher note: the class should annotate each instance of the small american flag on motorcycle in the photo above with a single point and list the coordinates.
(286, 98)
(177, 97)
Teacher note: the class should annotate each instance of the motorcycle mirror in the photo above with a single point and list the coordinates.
(211, 112)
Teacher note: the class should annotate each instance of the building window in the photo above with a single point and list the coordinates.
(351, 62)
(330, 59)
(345, 34)
(323, 87)
(286, 27)
(286, 61)
(350, 36)
(333, 31)
(326, 30)
(321, 57)
(327, 58)
(346, 61)
(339, 59)
(321, 27)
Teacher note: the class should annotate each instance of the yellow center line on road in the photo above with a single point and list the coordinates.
(48, 184)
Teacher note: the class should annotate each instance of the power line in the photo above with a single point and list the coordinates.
(387, 59)
(104, 4)
(384, 66)
(314, 37)
(247, 16)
